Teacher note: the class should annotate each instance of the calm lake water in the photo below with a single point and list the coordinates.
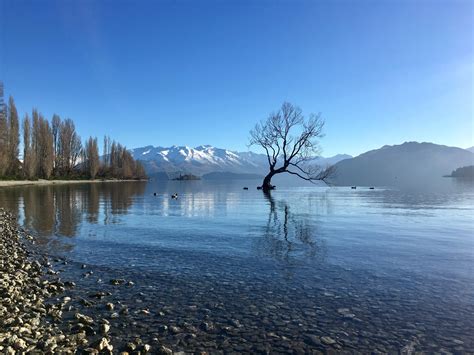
(301, 269)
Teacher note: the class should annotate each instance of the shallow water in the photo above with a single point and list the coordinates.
(383, 269)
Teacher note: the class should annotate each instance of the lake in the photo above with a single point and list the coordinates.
(304, 268)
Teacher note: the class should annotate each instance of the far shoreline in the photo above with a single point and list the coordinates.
(41, 182)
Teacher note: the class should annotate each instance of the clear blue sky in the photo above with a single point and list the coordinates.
(203, 72)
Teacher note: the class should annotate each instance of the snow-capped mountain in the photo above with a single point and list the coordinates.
(206, 159)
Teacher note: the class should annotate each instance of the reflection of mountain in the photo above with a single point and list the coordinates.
(408, 163)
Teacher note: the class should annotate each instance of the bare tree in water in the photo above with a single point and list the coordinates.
(291, 142)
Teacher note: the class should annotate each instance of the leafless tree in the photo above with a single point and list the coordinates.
(3, 134)
(29, 155)
(56, 126)
(13, 138)
(46, 148)
(69, 146)
(106, 153)
(91, 157)
(291, 142)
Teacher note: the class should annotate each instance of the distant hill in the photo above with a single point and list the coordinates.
(471, 149)
(230, 176)
(401, 164)
(331, 160)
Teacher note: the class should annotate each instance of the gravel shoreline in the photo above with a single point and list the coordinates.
(36, 313)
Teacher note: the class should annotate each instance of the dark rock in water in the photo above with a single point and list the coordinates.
(165, 351)
(99, 295)
(207, 326)
(313, 340)
(328, 340)
(259, 188)
(117, 281)
(104, 328)
(246, 188)
(353, 187)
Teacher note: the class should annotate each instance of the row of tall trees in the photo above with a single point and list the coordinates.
(55, 150)
(9, 136)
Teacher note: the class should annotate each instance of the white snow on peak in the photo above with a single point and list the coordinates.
(204, 158)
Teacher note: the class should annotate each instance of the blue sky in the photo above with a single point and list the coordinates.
(203, 72)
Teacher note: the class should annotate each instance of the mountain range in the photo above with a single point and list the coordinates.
(207, 159)
(388, 165)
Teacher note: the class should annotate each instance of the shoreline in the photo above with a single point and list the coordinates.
(40, 312)
(41, 182)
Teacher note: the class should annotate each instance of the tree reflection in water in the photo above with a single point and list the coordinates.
(288, 237)
(57, 210)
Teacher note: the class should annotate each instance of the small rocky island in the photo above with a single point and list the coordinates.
(186, 177)
(466, 172)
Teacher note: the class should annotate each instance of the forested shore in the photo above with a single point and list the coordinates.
(53, 150)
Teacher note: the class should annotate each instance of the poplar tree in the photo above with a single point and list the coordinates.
(3, 135)
(13, 137)
(55, 126)
(29, 155)
(91, 157)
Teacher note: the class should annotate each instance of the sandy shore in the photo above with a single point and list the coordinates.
(10, 183)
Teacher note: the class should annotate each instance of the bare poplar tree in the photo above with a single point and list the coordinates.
(35, 141)
(55, 126)
(106, 153)
(69, 146)
(3, 134)
(13, 137)
(76, 147)
(139, 170)
(291, 142)
(91, 157)
(29, 156)
(46, 148)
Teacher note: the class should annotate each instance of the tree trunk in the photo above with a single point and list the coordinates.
(266, 185)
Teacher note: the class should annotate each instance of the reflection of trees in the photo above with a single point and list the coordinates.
(67, 210)
(38, 208)
(10, 199)
(57, 210)
(91, 203)
(287, 237)
(118, 197)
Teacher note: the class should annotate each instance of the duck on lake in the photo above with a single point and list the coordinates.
(174, 196)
